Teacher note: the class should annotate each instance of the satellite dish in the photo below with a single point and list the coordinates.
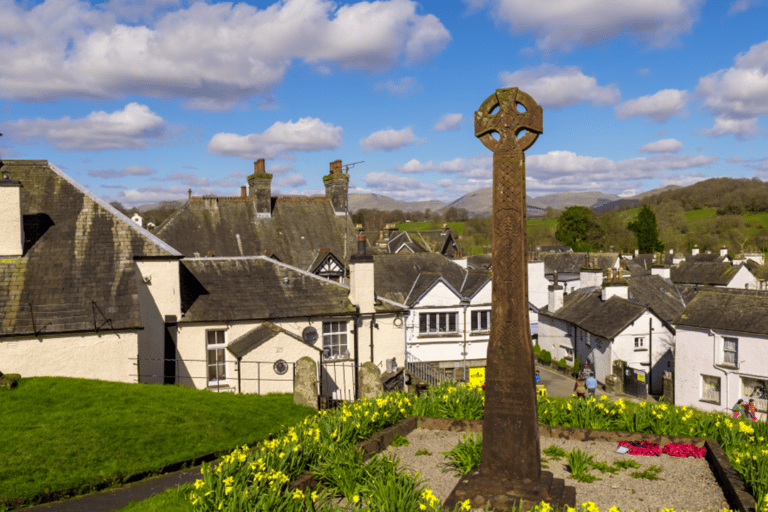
(309, 334)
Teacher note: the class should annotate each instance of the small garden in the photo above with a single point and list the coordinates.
(324, 445)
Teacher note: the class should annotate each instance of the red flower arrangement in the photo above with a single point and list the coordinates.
(642, 448)
(684, 450)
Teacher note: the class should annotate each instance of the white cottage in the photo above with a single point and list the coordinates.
(628, 321)
(722, 338)
(450, 308)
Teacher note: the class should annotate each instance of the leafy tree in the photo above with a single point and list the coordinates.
(646, 231)
(577, 227)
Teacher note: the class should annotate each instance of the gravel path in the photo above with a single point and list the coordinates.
(688, 484)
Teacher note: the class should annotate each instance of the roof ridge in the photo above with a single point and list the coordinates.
(111, 209)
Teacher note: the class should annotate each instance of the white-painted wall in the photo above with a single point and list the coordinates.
(106, 356)
(537, 284)
(743, 280)
(11, 220)
(159, 296)
(192, 357)
(699, 352)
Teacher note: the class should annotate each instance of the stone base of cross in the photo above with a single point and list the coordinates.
(510, 470)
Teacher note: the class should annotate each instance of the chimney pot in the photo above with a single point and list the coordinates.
(243, 191)
(258, 166)
(555, 277)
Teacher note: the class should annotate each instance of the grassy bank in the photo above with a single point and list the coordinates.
(63, 436)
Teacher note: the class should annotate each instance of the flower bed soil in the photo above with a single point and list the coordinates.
(711, 479)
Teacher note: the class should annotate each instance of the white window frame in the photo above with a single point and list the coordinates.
(438, 323)
(335, 339)
(731, 351)
(639, 341)
(478, 317)
(750, 387)
(710, 388)
(216, 346)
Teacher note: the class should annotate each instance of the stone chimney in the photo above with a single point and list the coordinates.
(243, 191)
(361, 279)
(556, 294)
(664, 272)
(260, 190)
(615, 286)
(337, 188)
(695, 250)
(590, 277)
(11, 216)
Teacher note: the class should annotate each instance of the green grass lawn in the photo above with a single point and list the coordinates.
(61, 434)
(456, 227)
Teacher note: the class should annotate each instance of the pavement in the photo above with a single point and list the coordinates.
(557, 384)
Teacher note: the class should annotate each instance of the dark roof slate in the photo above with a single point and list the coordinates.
(573, 262)
(259, 288)
(405, 278)
(256, 337)
(297, 229)
(77, 273)
(703, 273)
(729, 310)
(666, 300)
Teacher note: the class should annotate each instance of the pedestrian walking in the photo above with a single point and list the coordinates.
(738, 410)
(580, 388)
(591, 385)
(750, 409)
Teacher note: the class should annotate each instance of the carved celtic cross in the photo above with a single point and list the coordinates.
(510, 425)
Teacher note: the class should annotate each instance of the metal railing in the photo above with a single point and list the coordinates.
(423, 370)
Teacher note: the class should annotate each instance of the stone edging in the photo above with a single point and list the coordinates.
(733, 486)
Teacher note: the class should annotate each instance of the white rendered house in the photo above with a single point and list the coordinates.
(722, 338)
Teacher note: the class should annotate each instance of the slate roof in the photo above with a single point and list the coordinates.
(607, 319)
(666, 300)
(729, 310)
(573, 262)
(298, 228)
(259, 288)
(705, 257)
(405, 278)
(77, 272)
(703, 273)
(256, 337)
(479, 262)
(585, 308)
(438, 241)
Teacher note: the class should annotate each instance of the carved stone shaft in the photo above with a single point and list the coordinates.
(510, 427)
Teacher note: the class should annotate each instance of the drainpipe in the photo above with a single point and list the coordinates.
(373, 324)
(464, 351)
(650, 354)
(714, 365)
(239, 388)
(356, 318)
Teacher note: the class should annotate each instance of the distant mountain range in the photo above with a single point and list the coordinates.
(477, 202)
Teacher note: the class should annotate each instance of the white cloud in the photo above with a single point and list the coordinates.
(737, 93)
(193, 180)
(663, 146)
(279, 140)
(739, 6)
(134, 127)
(133, 170)
(567, 24)
(215, 54)
(415, 167)
(659, 107)
(291, 181)
(403, 87)
(448, 122)
(554, 87)
(389, 140)
(564, 170)
(400, 187)
(743, 129)
(155, 194)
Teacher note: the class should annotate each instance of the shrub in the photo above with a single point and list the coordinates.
(536, 349)
(561, 363)
(576, 365)
(545, 356)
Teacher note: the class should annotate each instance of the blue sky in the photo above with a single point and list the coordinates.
(142, 100)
